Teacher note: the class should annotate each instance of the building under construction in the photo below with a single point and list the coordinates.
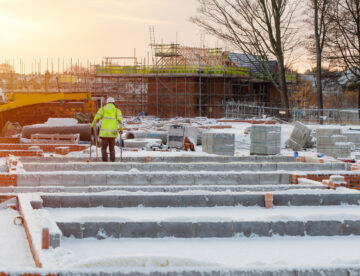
(184, 82)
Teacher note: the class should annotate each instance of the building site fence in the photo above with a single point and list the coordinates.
(309, 115)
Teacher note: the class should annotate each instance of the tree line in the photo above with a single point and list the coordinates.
(279, 30)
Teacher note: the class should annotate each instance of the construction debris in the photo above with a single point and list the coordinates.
(178, 133)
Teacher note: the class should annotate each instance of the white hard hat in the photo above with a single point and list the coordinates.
(110, 100)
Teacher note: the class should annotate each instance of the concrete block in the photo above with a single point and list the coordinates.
(183, 179)
(351, 227)
(269, 178)
(206, 179)
(138, 179)
(139, 229)
(71, 229)
(219, 200)
(282, 199)
(251, 228)
(104, 200)
(249, 200)
(73, 180)
(52, 189)
(94, 179)
(193, 201)
(338, 166)
(253, 179)
(82, 201)
(161, 179)
(36, 204)
(101, 230)
(155, 167)
(161, 201)
(123, 179)
(215, 229)
(324, 228)
(25, 189)
(338, 138)
(289, 228)
(305, 200)
(132, 201)
(54, 240)
(28, 180)
(177, 229)
(353, 199)
(284, 178)
(333, 199)
(239, 167)
(50, 201)
(50, 179)
(327, 132)
(322, 272)
(268, 167)
(227, 179)
(83, 189)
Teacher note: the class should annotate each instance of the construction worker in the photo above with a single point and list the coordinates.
(111, 123)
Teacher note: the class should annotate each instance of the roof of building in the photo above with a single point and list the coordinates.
(252, 62)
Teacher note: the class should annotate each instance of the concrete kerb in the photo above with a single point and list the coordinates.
(188, 229)
(26, 205)
(199, 200)
(201, 271)
(80, 179)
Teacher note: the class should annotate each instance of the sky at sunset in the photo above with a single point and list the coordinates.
(91, 29)
(88, 30)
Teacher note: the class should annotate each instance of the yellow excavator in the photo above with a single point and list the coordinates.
(36, 107)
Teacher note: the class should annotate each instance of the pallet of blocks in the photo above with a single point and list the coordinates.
(265, 139)
(218, 143)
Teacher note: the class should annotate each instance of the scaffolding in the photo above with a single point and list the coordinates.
(182, 82)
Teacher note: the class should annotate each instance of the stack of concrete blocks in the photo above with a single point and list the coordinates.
(353, 137)
(265, 139)
(218, 143)
(177, 134)
(300, 136)
(330, 141)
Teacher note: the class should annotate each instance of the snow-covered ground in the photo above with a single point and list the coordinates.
(14, 247)
(241, 252)
(253, 253)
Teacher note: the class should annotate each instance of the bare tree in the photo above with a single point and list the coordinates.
(320, 20)
(345, 38)
(263, 29)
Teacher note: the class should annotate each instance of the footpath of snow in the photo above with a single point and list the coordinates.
(206, 214)
(14, 247)
(252, 253)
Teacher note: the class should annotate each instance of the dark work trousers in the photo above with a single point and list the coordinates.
(105, 141)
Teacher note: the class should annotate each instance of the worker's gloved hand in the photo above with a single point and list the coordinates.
(121, 132)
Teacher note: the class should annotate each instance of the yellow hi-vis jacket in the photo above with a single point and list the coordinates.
(111, 121)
